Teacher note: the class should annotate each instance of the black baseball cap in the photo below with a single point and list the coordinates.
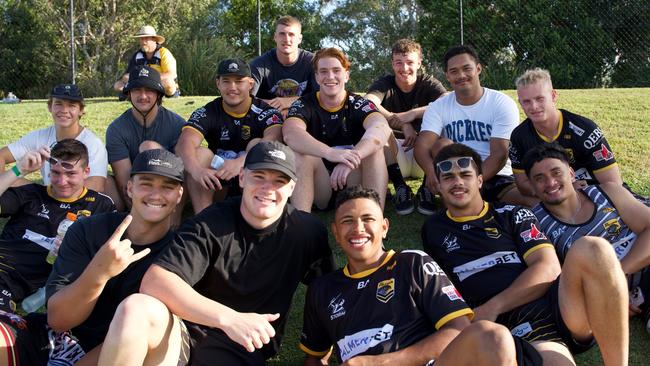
(159, 162)
(67, 91)
(144, 77)
(233, 66)
(272, 155)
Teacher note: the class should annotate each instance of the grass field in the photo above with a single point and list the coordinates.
(623, 114)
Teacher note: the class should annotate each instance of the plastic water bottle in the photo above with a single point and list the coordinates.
(70, 218)
(34, 301)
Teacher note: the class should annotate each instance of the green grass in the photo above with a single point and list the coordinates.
(623, 114)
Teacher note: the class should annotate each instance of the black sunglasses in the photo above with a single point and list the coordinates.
(446, 165)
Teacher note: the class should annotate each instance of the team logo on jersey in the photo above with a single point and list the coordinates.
(336, 306)
(360, 342)
(570, 155)
(225, 134)
(567, 137)
(245, 132)
(386, 290)
(578, 131)
(533, 234)
(370, 107)
(593, 138)
(603, 154)
(45, 213)
(512, 151)
(83, 213)
(197, 115)
(288, 88)
(452, 293)
(483, 263)
(608, 209)
(492, 232)
(451, 243)
(523, 215)
(613, 228)
(90, 199)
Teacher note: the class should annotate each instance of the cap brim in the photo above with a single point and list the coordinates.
(170, 176)
(272, 166)
(68, 97)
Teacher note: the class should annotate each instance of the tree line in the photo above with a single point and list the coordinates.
(584, 43)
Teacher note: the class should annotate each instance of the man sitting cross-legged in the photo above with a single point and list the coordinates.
(338, 136)
(506, 269)
(607, 210)
(387, 308)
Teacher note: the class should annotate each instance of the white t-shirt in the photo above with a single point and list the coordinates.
(98, 159)
(494, 115)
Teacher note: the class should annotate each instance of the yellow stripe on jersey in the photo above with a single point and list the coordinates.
(370, 271)
(240, 115)
(610, 166)
(518, 170)
(335, 109)
(193, 129)
(451, 316)
(536, 247)
(66, 200)
(557, 134)
(469, 218)
(313, 353)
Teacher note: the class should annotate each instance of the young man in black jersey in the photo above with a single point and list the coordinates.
(231, 124)
(506, 269)
(338, 136)
(284, 73)
(395, 308)
(590, 155)
(230, 272)
(35, 212)
(607, 210)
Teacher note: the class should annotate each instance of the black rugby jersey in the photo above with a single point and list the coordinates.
(225, 131)
(339, 127)
(584, 141)
(483, 254)
(426, 90)
(605, 222)
(381, 310)
(273, 79)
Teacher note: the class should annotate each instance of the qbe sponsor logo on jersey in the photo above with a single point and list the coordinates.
(336, 306)
(486, 262)
(521, 330)
(359, 342)
(386, 290)
(593, 138)
(452, 293)
(532, 234)
(523, 215)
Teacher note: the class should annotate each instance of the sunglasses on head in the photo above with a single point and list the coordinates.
(446, 165)
(66, 165)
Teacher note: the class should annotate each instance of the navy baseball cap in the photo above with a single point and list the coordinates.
(272, 155)
(234, 66)
(144, 77)
(67, 91)
(159, 162)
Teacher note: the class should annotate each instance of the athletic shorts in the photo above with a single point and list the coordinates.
(35, 343)
(494, 189)
(212, 347)
(541, 320)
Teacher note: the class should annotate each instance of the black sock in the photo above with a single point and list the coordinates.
(395, 175)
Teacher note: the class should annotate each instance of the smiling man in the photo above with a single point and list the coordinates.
(231, 273)
(387, 308)
(284, 73)
(402, 99)
(231, 125)
(508, 272)
(66, 105)
(146, 125)
(338, 136)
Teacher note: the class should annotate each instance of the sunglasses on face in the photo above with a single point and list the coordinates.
(66, 165)
(445, 166)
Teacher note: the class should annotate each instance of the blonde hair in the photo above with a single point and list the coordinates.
(406, 46)
(287, 20)
(532, 76)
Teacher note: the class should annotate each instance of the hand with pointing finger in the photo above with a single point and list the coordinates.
(116, 254)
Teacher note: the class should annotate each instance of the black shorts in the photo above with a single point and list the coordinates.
(526, 354)
(494, 189)
(35, 343)
(541, 320)
(212, 347)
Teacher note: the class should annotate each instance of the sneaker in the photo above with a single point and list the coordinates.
(426, 203)
(403, 200)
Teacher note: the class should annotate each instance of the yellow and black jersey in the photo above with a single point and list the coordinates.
(160, 61)
(342, 126)
(405, 299)
(226, 131)
(483, 254)
(585, 144)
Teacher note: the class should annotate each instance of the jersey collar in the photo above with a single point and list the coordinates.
(469, 218)
(66, 200)
(337, 108)
(235, 115)
(370, 271)
(560, 125)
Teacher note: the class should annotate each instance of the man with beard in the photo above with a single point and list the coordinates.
(146, 125)
(231, 124)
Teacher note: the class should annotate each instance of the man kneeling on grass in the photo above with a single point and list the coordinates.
(395, 308)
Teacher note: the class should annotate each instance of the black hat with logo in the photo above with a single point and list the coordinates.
(234, 66)
(144, 77)
(272, 155)
(67, 91)
(159, 162)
